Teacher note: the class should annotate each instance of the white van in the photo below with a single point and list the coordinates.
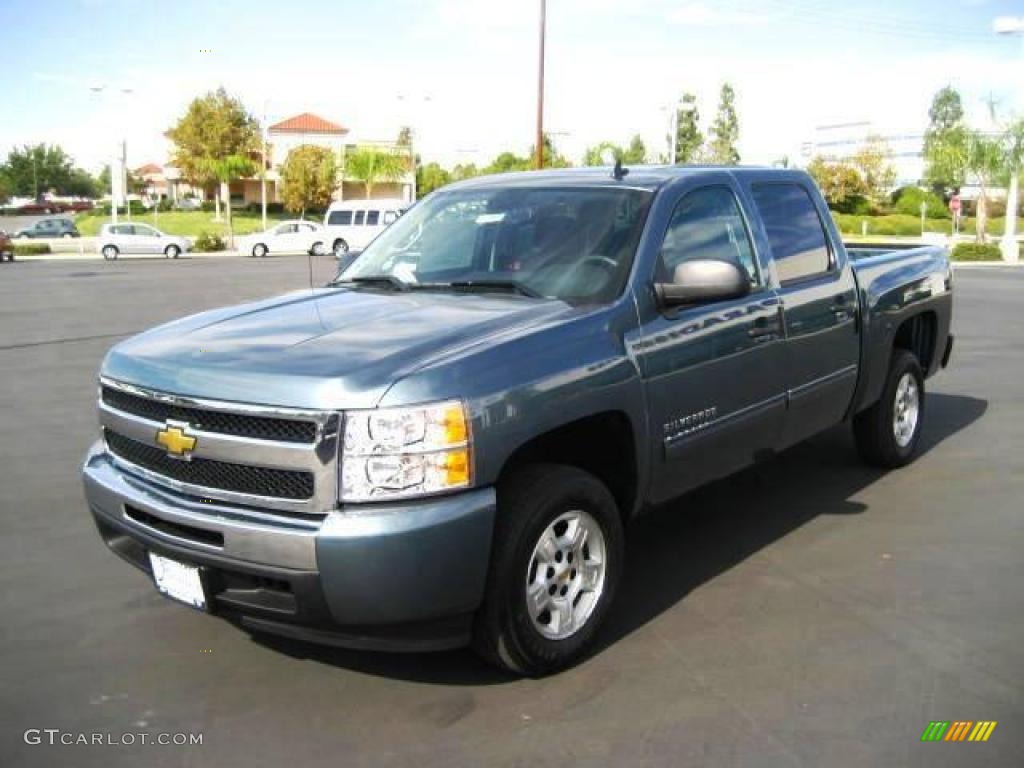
(352, 224)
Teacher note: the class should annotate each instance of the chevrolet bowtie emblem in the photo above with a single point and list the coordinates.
(178, 444)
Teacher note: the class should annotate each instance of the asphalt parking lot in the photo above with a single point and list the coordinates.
(807, 612)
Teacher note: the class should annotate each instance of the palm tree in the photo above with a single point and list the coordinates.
(1013, 152)
(225, 170)
(371, 166)
(984, 158)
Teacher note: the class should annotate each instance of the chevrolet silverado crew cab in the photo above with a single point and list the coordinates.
(444, 445)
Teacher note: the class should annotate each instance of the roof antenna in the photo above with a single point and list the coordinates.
(618, 172)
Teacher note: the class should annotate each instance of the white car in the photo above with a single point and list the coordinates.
(352, 224)
(287, 237)
(115, 239)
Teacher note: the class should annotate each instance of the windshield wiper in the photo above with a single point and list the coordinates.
(509, 286)
(389, 281)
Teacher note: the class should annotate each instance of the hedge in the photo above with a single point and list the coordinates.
(31, 249)
(976, 252)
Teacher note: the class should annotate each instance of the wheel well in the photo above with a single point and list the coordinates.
(918, 335)
(601, 444)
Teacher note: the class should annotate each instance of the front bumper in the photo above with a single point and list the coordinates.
(399, 576)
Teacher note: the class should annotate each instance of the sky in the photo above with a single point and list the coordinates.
(463, 73)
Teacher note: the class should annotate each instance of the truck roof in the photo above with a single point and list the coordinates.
(643, 176)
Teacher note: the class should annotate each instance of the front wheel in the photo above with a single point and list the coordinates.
(557, 560)
(340, 248)
(109, 252)
(888, 432)
(172, 252)
(67, 235)
(317, 249)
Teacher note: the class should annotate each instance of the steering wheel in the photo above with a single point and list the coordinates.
(601, 261)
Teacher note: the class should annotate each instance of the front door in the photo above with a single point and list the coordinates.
(713, 372)
(820, 297)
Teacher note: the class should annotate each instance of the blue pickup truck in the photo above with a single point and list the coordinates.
(445, 445)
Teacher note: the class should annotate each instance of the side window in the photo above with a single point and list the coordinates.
(707, 224)
(372, 218)
(390, 217)
(359, 218)
(339, 218)
(795, 232)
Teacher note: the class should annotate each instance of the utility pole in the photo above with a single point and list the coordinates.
(263, 168)
(124, 180)
(540, 88)
(1010, 25)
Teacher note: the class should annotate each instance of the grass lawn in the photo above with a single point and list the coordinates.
(185, 223)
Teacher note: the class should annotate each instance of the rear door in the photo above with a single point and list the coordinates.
(713, 372)
(818, 292)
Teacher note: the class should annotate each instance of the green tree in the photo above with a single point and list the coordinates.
(464, 171)
(839, 181)
(984, 159)
(215, 127)
(873, 162)
(81, 183)
(689, 138)
(552, 157)
(224, 170)
(510, 161)
(32, 170)
(430, 177)
(944, 142)
(372, 165)
(5, 188)
(725, 130)
(309, 177)
(634, 154)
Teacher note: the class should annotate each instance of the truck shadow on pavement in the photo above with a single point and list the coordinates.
(673, 550)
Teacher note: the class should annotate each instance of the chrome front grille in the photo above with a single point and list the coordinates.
(226, 423)
(258, 456)
(221, 475)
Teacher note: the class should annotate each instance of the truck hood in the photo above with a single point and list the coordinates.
(332, 348)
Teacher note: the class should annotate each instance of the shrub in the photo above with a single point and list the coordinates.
(31, 249)
(976, 252)
(907, 200)
(207, 205)
(274, 208)
(207, 242)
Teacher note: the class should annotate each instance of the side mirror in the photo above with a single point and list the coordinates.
(703, 280)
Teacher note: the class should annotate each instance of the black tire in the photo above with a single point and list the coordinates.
(172, 251)
(874, 429)
(317, 249)
(110, 252)
(340, 248)
(530, 500)
(259, 250)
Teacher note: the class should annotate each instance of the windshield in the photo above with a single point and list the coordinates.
(570, 243)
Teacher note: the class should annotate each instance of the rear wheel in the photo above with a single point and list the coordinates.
(259, 250)
(67, 235)
(109, 252)
(556, 563)
(888, 432)
(317, 249)
(340, 247)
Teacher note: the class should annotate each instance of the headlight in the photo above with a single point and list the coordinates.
(392, 453)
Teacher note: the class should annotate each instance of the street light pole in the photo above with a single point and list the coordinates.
(1010, 25)
(540, 88)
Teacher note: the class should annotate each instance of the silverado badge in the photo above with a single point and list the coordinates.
(179, 445)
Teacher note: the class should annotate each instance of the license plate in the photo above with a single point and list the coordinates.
(178, 581)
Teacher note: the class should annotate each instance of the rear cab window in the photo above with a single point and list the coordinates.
(795, 232)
